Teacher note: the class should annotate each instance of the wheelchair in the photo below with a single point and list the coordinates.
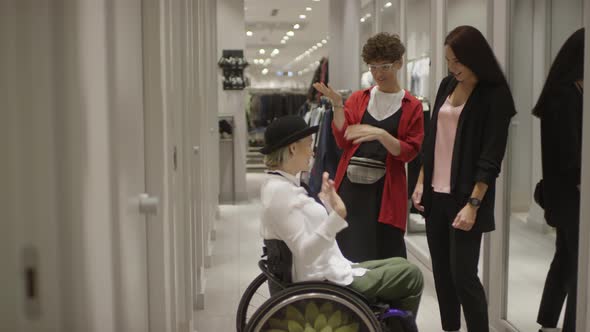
(273, 303)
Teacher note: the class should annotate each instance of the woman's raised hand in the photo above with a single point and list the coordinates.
(327, 91)
(328, 195)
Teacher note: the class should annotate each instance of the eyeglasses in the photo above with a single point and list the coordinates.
(381, 68)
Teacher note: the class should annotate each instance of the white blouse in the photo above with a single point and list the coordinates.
(307, 228)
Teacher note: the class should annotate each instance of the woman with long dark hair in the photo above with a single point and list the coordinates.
(560, 109)
(462, 155)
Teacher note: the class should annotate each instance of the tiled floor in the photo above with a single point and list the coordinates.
(237, 250)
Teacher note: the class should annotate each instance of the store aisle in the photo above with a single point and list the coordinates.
(237, 249)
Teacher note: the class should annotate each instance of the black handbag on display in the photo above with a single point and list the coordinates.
(538, 195)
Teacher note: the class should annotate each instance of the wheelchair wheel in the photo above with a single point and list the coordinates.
(254, 296)
(314, 307)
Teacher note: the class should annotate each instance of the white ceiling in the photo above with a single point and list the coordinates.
(268, 31)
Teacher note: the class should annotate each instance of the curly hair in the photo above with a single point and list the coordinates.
(383, 47)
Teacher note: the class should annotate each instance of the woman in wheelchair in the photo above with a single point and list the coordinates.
(309, 225)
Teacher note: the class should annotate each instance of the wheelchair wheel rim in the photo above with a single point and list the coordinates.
(314, 296)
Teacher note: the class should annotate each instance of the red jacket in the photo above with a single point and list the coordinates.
(394, 205)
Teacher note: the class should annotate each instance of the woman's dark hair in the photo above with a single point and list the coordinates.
(383, 47)
(472, 50)
(567, 68)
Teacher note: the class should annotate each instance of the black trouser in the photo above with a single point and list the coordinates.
(455, 255)
(561, 281)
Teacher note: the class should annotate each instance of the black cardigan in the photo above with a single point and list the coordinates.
(480, 144)
(561, 150)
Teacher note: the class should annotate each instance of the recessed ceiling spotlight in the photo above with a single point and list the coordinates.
(302, 16)
(262, 51)
(319, 44)
(285, 37)
(249, 33)
(290, 33)
(316, 0)
(388, 5)
(362, 19)
(275, 51)
(264, 71)
(324, 41)
(308, 9)
(283, 41)
(296, 26)
(314, 47)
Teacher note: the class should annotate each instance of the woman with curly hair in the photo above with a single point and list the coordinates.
(379, 129)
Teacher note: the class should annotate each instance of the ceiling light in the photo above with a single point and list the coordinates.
(249, 33)
(368, 15)
(255, 61)
(283, 41)
(264, 71)
(290, 73)
(308, 9)
(388, 5)
(314, 47)
(324, 41)
(362, 19)
(290, 33)
(285, 37)
(274, 52)
(316, 0)
(262, 51)
(302, 16)
(296, 26)
(319, 44)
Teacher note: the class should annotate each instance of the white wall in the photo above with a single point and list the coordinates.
(467, 12)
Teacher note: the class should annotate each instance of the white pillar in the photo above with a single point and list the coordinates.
(541, 31)
(345, 50)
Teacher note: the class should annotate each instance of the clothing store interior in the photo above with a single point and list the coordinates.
(294, 165)
(306, 42)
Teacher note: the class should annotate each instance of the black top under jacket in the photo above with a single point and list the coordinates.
(561, 150)
(480, 144)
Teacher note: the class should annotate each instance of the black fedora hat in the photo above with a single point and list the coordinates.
(284, 131)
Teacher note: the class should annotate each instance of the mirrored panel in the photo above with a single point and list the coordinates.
(538, 29)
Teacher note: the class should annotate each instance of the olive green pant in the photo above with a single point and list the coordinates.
(394, 281)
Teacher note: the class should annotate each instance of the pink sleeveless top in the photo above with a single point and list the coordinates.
(446, 128)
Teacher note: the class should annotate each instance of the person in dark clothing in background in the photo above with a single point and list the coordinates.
(560, 109)
(379, 129)
(462, 155)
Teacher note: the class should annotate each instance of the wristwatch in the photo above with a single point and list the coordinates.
(475, 202)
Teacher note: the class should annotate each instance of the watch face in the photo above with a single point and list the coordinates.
(474, 201)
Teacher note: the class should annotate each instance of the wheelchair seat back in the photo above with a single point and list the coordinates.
(278, 265)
